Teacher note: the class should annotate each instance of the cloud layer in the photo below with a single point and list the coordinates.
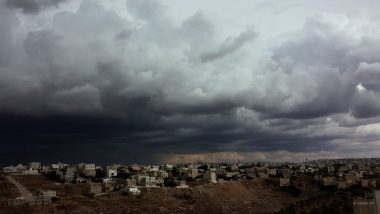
(32, 6)
(93, 78)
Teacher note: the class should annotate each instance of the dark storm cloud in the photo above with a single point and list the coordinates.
(32, 6)
(148, 87)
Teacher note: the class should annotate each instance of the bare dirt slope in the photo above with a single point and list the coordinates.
(229, 197)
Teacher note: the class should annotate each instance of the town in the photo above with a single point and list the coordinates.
(355, 180)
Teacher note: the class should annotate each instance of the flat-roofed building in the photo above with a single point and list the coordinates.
(89, 166)
(35, 165)
(263, 175)
(377, 200)
(328, 181)
(89, 170)
(368, 204)
(148, 181)
(210, 176)
(40, 201)
(30, 172)
(341, 185)
(284, 182)
(48, 193)
(364, 205)
(95, 188)
(111, 171)
(16, 202)
(163, 174)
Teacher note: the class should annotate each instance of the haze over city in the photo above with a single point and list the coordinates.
(153, 81)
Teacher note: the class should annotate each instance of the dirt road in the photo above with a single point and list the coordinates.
(26, 194)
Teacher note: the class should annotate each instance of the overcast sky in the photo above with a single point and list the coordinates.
(216, 80)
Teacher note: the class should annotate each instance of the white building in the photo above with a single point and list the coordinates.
(30, 172)
(14, 169)
(48, 193)
(134, 191)
(89, 170)
(210, 176)
(89, 166)
(111, 171)
(35, 165)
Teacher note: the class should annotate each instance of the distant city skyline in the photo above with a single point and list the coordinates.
(165, 81)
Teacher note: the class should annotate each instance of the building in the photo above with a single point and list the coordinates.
(89, 173)
(80, 180)
(284, 182)
(192, 173)
(365, 183)
(250, 172)
(134, 167)
(69, 175)
(369, 204)
(272, 172)
(368, 183)
(364, 205)
(111, 171)
(40, 201)
(210, 176)
(341, 185)
(109, 186)
(163, 174)
(14, 169)
(328, 181)
(331, 169)
(182, 185)
(45, 169)
(48, 193)
(131, 182)
(89, 166)
(148, 181)
(134, 191)
(350, 179)
(30, 172)
(10, 169)
(35, 165)
(89, 170)
(160, 181)
(95, 188)
(16, 202)
(263, 175)
(138, 178)
(377, 200)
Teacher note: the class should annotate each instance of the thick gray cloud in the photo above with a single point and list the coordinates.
(32, 6)
(229, 46)
(146, 83)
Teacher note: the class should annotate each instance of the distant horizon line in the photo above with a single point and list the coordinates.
(194, 162)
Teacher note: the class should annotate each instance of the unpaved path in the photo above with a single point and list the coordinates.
(26, 194)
